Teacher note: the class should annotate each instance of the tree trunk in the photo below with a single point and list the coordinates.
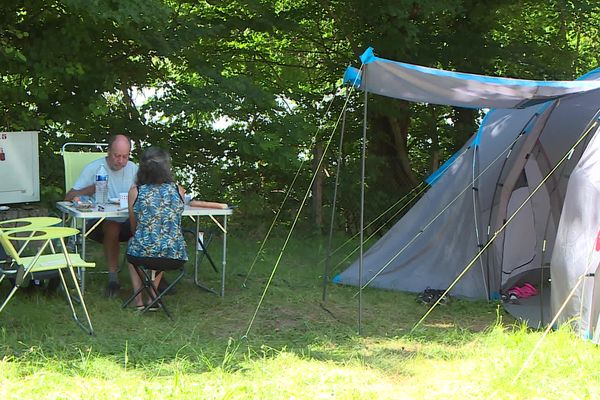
(399, 129)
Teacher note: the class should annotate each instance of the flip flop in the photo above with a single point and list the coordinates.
(154, 307)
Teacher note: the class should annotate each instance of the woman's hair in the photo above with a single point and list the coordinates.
(155, 167)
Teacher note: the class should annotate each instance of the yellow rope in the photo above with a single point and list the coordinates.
(470, 264)
(262, 297)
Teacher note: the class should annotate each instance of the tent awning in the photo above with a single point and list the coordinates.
(430, 85)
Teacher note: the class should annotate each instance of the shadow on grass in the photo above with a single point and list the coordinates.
(208, 332)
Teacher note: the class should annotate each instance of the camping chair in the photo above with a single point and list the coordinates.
(23, 268)
(75, 161)
(147, 272)
(30, 223)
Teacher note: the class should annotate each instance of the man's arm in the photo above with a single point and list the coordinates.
(208, 204)
(85, 184)
(86, 191)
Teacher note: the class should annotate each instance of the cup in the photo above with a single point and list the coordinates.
(123, 200)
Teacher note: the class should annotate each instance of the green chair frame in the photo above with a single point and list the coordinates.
(74, 161)
(23, 268)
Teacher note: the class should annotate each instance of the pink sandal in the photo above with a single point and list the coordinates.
(523, 292)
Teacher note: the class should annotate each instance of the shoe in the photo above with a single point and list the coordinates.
(154, 307)
(112, 290)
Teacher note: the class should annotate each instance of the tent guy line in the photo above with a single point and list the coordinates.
(320, 163)
(424, 228)
(548, 329)
(287, 194)
(327, 272)
(470, 264)
(416, 188)
(423, 189)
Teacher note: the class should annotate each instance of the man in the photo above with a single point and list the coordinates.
(121, 176)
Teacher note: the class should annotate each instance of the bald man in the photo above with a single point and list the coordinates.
(121, 176)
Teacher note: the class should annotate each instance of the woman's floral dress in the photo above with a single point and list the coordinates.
(158, 210)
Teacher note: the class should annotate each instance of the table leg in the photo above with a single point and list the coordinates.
(196, 266)
(82, 270)
(224, 256)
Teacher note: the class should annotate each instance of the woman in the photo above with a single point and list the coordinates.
(155, 208)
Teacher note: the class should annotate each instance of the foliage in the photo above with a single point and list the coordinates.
(240, 92)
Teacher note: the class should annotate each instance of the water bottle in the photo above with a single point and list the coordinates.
(101, 185)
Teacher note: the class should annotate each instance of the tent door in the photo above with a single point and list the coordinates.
(519, 250)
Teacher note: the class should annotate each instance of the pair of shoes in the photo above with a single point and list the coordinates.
(112, 290)
(153, 307)
(430, 296)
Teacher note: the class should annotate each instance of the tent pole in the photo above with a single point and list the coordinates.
(505, 224)
(541, 291)
(489, 259)
(432, 220)
(362, 204)
(476, 208)
(335, 189)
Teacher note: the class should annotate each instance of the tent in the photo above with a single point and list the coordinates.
(519, 202)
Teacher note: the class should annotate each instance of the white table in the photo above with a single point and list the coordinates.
(113, 211)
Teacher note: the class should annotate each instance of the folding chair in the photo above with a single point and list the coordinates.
(75, 161)
(147, 272)
(23, 268)
(30, 223)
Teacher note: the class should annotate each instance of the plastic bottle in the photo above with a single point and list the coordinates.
(101, 186)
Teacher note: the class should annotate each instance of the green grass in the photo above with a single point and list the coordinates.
(298, 347)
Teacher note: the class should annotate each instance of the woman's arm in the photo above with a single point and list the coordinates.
(133, 193)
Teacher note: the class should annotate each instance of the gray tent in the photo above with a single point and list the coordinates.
(525, 188)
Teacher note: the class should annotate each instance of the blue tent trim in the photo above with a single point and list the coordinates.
(477, 138)
(352, 76)
(369, 57)
(589, 74)
(431, 179)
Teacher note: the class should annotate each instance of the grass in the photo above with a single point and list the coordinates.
(298, 347)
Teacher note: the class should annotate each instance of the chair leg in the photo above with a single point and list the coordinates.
(10, 295)
(148, 287)
(154, 294)
(160, 295)
(19, 279)
(137, 292)
(89, 329)
(152, 291)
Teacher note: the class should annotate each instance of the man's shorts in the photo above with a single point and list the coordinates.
(97, 234)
